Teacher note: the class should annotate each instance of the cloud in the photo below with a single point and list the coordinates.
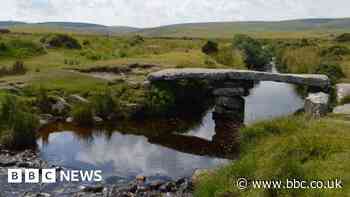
(162, 12)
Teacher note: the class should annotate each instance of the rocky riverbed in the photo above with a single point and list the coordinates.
(141, 186)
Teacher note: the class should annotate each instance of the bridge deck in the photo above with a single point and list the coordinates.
(321, 81)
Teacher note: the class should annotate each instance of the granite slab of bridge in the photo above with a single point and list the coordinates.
(230, 85)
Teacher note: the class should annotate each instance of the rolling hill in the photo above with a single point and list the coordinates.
(302, 27)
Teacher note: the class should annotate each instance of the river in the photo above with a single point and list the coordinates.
(133, 149)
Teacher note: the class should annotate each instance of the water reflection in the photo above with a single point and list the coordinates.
(172, 148)
(137, 150)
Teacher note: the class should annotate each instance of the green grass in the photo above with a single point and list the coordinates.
(286, 148)
(345, 100)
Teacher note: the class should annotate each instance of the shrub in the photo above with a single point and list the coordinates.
(298, 60)
(21, 48)
(345, 100)
(61, 41)
(136, 40)
(333, 71)
(210, 48)
(5, 31)
(104, 105)
(255, 54)
(17, 68)
(335, 51)
(230, 57)
(83, 114)
(343, 37)
(160, 99)
(18, 124)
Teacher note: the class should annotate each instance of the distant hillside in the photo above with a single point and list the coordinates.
(290, 28)
(67, 26)
(227, 29)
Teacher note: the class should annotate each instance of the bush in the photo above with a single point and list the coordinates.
(136, 40)
(5, 31)
(333, 71)
(18, 124)
(17, 68)
(104, 105)
(83, 114)
(255, 54)
(210, 48)
(21, 48)
(61, 41)
(230, 57)
(335, 51)
(298, 60)
(343, 37)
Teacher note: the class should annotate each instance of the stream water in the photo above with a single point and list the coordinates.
(157, 149)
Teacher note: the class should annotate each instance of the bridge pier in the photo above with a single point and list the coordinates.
(229, 101)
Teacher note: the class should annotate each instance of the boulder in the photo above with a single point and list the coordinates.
(317, 104)
(343, 90)
(45, 119)
(74, 98)
(344, 109)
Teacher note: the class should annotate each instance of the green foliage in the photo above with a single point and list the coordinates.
(61, 41)
(17, 68)
(18, 125)
(210, 48)
(345, 100)
(83, 114)
(43, 100)
(19, 48)
(337, 50)
(298, 60)
(136, 40)
(230, 57)
(287, 148)
(343, 37)
(333, 71)
(104, 105)
(160, 99)
(255, 54)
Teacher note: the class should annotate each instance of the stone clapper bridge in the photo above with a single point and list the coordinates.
(229, 87)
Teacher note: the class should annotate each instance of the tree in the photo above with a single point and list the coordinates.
(210, 48)
(255, 54)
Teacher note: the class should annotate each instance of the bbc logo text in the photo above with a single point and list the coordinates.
(52, 176)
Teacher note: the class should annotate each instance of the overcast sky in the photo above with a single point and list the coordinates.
(149, 13)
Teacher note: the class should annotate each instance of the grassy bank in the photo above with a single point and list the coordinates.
(286, 148)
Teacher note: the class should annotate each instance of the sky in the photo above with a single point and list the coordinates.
(151, 13)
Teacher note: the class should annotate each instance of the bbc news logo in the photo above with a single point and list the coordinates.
(52, 176)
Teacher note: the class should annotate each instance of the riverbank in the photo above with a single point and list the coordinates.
(294, 147)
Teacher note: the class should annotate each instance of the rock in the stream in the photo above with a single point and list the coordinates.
(74, 98)
(60, 105)
(46, 119)
(317, 104)
(343, 109)
(98, 119)
(343, 90)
